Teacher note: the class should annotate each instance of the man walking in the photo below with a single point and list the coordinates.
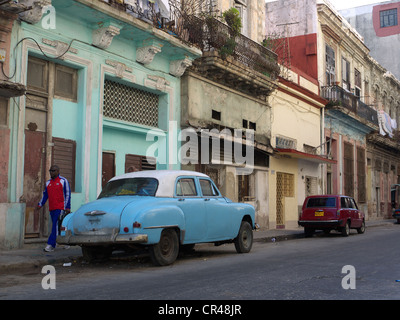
(58, 191)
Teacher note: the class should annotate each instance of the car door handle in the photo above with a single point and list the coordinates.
(181, 199)
(207, 199)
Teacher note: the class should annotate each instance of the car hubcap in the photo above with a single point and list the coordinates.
(245, 239)
(166, 247)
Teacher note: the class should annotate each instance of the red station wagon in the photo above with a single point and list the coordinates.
(331, 212)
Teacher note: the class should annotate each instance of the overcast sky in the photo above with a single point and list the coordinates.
(345, 4)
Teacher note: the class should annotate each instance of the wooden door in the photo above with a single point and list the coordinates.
(108, 167)
(34, 163)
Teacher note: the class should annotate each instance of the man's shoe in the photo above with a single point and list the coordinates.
(49, 248)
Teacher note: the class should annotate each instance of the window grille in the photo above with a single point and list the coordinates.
(311, 186)
(284, 188)
(130, 104)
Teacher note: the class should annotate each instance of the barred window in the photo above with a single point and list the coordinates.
(130, 104)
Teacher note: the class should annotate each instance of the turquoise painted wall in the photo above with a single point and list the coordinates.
(69, 119)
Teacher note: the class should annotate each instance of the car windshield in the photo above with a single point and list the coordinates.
(328, 202)
(130, 187)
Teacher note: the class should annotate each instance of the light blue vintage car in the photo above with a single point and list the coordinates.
(164, 210)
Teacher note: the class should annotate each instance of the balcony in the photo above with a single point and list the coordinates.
(247, 66)
(340, 98)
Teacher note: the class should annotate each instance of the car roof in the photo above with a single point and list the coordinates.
(166, 179)
(328, 195)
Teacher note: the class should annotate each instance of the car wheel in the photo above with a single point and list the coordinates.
(244, 240)
(166, 251)
(346, 229)
(362, 228)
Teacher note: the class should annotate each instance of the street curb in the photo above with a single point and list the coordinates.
(300, 234)
(23, 263)
(29, 264)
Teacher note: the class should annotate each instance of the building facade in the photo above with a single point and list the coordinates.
(225, 102)
(96, 102)
(362, 111)
(379, 25)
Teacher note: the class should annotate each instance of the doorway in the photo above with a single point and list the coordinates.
(34, 163)
(108, 168)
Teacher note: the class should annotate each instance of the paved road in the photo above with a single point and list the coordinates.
(298, 269)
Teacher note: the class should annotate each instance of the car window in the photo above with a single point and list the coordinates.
(323, 202)
(186, 187)
(130, 187)
(343, 203)
(352, 203)
(208, 189)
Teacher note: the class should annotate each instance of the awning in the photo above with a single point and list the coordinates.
(292, 153)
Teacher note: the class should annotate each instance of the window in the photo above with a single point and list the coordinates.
(348, 169)
(343, 203)
(351, 203)
(135, 162)
(346, 74)
(244, 188)
(37, 74)
(330, 65)
(357, 83)
(241, 6)
(130, 104)
(321, 202)
(311, 185)
(216, 115)
(65, 79)
(186, 187)
(361, 175)
(249, 125)
(388, 18)
(207, 188)
(130, 187)
(64, 154)
(66, 83)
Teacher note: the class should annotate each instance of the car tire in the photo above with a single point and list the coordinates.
(362, 228)
(346, 229)
(166, 250)
(244, 240)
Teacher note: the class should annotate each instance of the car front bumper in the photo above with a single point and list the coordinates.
(321, 223)
(92, 238)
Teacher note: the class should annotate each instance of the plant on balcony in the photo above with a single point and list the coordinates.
(233, 20)
(333, 103)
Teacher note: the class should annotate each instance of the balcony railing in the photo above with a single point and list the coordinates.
(211, 34)
(340, 97)
(202, 31)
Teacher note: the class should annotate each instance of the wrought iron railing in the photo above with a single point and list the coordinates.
(201, 30)
(337, 96)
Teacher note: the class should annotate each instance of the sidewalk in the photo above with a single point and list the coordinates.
(33, 257)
